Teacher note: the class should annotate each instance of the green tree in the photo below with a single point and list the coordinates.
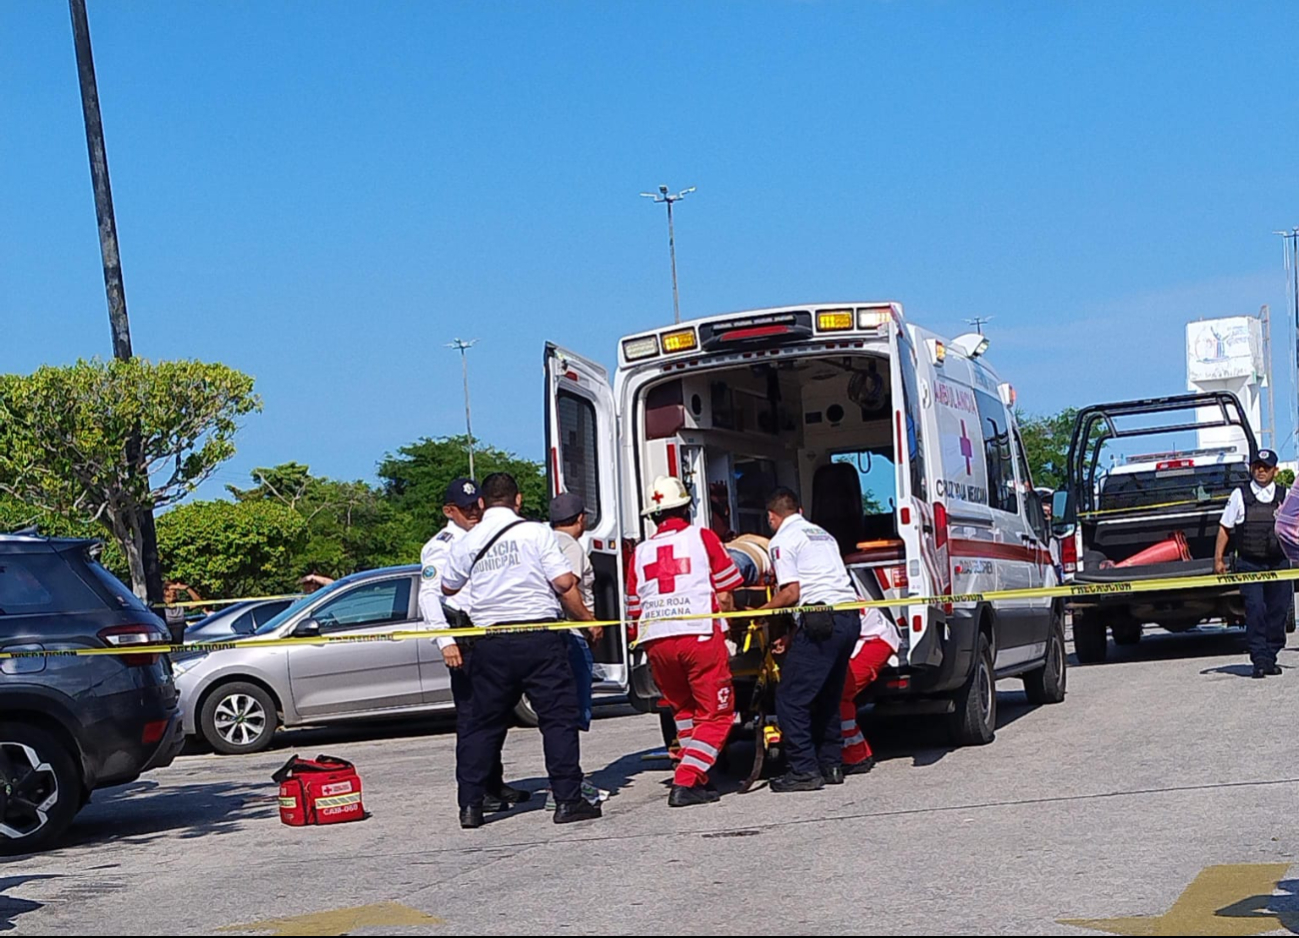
(1046, 445)
(66, 432)
(415, 480)
(228, 549)
(1286, 477)
(350, 525)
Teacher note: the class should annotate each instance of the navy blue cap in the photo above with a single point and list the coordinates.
(1266, 457)
(463, 493)
(565, 507)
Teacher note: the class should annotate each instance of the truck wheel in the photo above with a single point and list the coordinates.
(40, 788)
(1126, 633)
(1089, 639)
(974, 723)
(239, 718)
(1046, 685)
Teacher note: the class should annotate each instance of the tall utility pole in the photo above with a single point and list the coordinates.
(117, 318)
(113, 286)
(1269, 432)
(1291, 255)
(464, 347)
(667, 198)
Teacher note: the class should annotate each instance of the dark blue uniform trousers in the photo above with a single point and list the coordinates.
(501, 669)
(462, 694)
(1267, 606)
(807, 697)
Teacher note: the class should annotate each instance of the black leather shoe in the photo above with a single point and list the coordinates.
(583, 810)
(512, 795)
(860, 768)
(493, 803)
(833, 774)
(471, 817)
(1259, 673)
(1274, 671)
(683, 797)
(797, 781)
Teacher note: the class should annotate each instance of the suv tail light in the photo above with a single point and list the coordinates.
(125, 636)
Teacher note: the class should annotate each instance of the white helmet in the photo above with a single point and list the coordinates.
(667, 492)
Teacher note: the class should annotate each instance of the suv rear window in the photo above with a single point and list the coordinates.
(43, 583)
(117, 590)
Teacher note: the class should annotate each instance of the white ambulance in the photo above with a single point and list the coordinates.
(901, 444)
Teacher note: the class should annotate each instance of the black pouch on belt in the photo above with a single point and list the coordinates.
(819, 624)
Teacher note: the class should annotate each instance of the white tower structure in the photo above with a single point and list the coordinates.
(1228, 355)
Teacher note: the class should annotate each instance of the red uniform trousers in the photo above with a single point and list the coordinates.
(694, 674)
(864, 668)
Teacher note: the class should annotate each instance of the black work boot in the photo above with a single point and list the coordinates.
(582, 810)
(798, 781)
(471, 816)
(683, 796)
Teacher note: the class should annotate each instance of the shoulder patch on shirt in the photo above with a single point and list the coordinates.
(442, 536)
(429, 571)
(775, 553)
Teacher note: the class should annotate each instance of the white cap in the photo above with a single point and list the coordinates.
(666, 492)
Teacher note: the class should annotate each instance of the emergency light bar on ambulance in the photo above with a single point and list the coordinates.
(738, 332)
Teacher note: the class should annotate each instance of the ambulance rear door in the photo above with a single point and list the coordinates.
(582, 458)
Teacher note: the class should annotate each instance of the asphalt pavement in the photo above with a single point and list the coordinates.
(1159, 798)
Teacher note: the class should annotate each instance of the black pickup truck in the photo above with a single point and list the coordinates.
(1166, 504)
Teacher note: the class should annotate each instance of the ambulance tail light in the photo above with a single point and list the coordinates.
(898, 577)
(1069, 553)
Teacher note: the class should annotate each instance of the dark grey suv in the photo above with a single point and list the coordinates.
(70, 725)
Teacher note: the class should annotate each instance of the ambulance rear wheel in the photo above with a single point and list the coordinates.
(524, 713)
(1046, 685)
(1090, 642)
(974, 722)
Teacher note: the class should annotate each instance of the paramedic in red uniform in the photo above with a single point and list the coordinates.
(684, 570)
(876, 644)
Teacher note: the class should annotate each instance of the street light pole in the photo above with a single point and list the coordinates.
(464, 347)
(664, 196)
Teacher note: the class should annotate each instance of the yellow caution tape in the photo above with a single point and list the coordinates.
(1137, 508)
(1067, 591)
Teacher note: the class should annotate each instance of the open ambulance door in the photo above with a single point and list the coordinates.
(582, 458)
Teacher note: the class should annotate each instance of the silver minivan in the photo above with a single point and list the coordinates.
(236, 699)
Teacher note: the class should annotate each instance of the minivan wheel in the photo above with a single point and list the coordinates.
(40, 788)
(974, 722)
(238, 718)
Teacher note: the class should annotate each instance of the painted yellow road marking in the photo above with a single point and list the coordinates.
(1232, 899)
(342, 921)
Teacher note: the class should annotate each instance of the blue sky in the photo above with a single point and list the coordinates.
(324, 194)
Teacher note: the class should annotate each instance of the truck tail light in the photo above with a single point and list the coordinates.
(1069, 553)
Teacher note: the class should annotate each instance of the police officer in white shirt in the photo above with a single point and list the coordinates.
(462, 510)
(518, 575)
(1251, 516)
(810, 571)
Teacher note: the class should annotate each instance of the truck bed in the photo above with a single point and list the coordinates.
(1154, 571)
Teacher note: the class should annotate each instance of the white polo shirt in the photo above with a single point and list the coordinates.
(433, 559)
(804, 553)
(513, 581)
(1234, 513)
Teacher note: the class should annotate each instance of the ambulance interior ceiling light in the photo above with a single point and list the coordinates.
(971, 344)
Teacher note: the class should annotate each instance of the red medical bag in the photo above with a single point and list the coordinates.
(323, 790)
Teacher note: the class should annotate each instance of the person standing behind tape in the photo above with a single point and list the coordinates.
(684, 570)
(568, 521)
(810, 571)
(519, 575)
(463, 512)
(1251, 515)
